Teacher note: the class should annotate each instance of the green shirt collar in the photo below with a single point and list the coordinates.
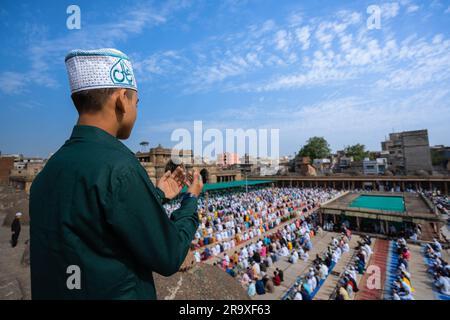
(98, 135)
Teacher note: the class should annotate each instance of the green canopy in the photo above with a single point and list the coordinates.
(230, 184)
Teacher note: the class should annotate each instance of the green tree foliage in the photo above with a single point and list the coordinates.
(437, 158)
(357, 151)
(315, 148)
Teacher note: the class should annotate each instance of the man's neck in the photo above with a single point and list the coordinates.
(94, 121)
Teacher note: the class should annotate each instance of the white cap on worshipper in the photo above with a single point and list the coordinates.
(18, 214)
(101, 68)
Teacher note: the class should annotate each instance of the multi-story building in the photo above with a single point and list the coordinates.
(345, 163)
(409, 151)
(322, 165)
(227, 159)
(24, 170)
(6, 165)
(374, 167)
(440, 158)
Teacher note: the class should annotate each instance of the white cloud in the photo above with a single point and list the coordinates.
(324, 34)
(344, 119)
(252, 58)
(295, 19)
(282, 40)
(314, 77)
(426, 63)
(163, 63)
(390, 10)
(46, 53)
(412, 8)
(411, 64)
(303, 36)
(12, 82)
(337, 51)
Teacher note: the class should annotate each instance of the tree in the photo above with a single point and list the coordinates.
(437, 158)
(357, 151)
(315, 148)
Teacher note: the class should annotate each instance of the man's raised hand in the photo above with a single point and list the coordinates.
(196, 186)
(172, 183)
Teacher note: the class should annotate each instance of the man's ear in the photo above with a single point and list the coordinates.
(120, 96)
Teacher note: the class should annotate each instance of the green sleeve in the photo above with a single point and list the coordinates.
(160, 194)
(139, 219)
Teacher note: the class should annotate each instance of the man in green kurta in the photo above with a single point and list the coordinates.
(98, 227)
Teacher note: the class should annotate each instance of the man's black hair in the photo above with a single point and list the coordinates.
(91, 101)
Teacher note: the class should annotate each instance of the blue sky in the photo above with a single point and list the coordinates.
(304, 67)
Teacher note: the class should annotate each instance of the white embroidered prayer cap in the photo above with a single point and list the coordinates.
(101, 68)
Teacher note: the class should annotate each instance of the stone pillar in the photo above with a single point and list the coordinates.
(358, 225)
(445, 188)
(403, 186)
(334, 184)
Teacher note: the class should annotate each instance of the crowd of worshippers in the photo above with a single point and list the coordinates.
(402, 288)
(438, 267)
(347, 285)
(409, 231)
(441, 201)
(305, 286)
(229, 218)
(250, 265)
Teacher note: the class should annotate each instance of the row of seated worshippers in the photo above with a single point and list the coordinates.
(438, 268)
(232, 217)
(306, 286)
(250, 264)
(347, 285)
(402, 288)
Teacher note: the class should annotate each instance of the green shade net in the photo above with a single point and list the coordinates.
(379, 203)
(230, 184)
